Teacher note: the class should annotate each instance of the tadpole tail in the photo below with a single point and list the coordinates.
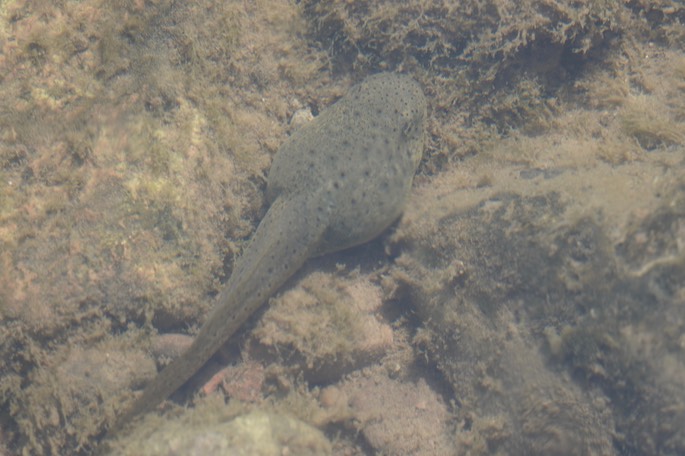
(287, 236)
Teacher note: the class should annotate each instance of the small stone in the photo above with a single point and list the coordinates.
(300, 117)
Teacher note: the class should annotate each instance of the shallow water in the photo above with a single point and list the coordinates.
(530, 301)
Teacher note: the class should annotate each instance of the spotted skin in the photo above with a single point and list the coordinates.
(337, 182)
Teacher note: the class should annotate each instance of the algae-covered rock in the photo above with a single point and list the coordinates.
(399, 417)
(253, 434)
(325, 327)
(551, 300)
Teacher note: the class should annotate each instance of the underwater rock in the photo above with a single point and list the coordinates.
(253, 434)
(544, 299)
